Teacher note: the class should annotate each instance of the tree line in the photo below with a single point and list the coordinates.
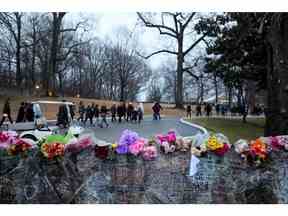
(45, 54)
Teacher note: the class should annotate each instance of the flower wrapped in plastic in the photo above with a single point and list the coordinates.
(275, 143)
(213, 143)
(183, 144)
(198, 147)
(149, 152)
(53, 150)
(171, 136)
(258, 149)
(241, 146)
(137, 147)
(75, 145)
(127, 138)
(7, 138)
(283, 141)
(21, 146)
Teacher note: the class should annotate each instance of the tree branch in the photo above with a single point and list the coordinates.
(195, 43)
(157, 52)
(188, 20)
(190, 73)
(151, 25)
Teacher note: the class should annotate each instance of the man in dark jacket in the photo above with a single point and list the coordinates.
(103, 113)
(130, 110)
(6, 112)
(113, 113)
(156, 110)
(62, 117)
(81, 111)
(89, 114)
(120, 111)
(21, 113)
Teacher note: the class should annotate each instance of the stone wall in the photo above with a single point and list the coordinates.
(82, 178)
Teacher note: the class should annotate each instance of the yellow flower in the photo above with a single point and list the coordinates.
(114, 145)
(213, 143)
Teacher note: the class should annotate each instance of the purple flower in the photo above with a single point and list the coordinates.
(122, 149)
(128, 137)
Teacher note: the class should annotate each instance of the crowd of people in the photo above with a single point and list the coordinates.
(206, 109)
(129, 113)
(92, 113)
(25, 113)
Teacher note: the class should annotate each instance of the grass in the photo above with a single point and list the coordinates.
(234, 129)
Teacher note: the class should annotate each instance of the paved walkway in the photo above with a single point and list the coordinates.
(147, 128)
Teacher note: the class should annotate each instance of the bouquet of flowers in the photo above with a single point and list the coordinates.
(199, 145)
(22, 146)
(7, 138)
(53, 146)
(78, 144)
(167, 142)
(218, 144)
(127, 138)
(149, 152)
(258, 151)
(131, 143)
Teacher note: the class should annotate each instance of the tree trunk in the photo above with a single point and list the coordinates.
(216, 88)
(179, 83)
(277, 109)
(18, 51)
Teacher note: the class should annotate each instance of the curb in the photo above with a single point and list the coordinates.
(202, 129)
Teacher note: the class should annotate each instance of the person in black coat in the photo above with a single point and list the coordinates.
(103, 113)
(62, 116)
(130, 110)
(89, 114)
(113, 113)
(6, 112)
(120, 111)
(29, 113)
(21, 113)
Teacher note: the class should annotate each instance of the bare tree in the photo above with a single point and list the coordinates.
(176, 31)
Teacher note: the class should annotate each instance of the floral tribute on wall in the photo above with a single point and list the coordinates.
(131, 143)
(170, 142)
(11, 144)
(56, 145)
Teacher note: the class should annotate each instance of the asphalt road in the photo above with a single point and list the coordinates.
(147, 128)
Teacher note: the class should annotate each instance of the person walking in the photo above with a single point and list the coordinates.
(81, 112)
(134, 115)
(140, 110)
(113, 113)
(217, 108)
(21, 113)
(130, 110)
(189, 111)
(120, 112)
(89, 115)
(103, 113)
(198, 110)
(72, 110)
(62, 116)
(96, 113)
(6, 112)
(29, 113)
(156, 110)
(208, 109)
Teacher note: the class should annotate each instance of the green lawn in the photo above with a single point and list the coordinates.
(234, 129)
